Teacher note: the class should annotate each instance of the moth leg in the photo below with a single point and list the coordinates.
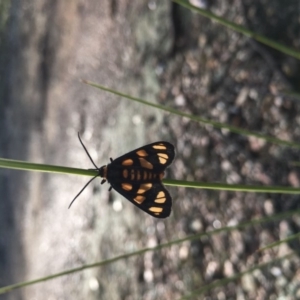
(111, 159)
(103, 181)
(110, 188)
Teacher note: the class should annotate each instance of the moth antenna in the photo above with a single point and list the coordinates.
(89, 180)
(82, 190)
(87, 152)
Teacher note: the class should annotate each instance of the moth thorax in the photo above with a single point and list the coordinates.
(103, 172)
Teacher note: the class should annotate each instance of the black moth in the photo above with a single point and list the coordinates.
(137, 176)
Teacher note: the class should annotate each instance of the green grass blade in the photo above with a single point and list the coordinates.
(28, 166)
(294, 163)
(238, 276)
(292, 94)
(283, 241)
(238, 28)
(198, 119)
(22, 165)
(233, 187)
(276, 217)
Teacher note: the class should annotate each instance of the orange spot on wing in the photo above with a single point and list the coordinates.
(156, 209)
(161, 194)
(161, 197)
(162, 158)
(127, 186)
(127, 162)
(145, 164)
(142, 152)
(144, 187)
(139, 199)
(159, 147)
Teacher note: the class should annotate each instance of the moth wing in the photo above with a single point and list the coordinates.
(155, 200)
(156, 156)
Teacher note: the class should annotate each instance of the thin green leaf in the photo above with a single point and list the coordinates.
(198, 119)
(283, 241)
(9, 288)
(238, 276)
(238, 28)
(28, 166)
(22, 165)
(233, 187)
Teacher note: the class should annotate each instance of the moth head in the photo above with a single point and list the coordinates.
(103, 172)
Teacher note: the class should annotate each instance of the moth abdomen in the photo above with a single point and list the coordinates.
(132, 174)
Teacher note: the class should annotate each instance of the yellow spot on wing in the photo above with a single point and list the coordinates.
(159, 147)
(127, 186)
(145, 164)
(156, 209)
(139, 199)
(161, 194)
(161, 197)
(127, 162)
(164, 155)
(162, 158)
(144, 187)
(141, 153)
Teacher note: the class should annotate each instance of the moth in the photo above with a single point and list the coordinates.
(137, 175)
